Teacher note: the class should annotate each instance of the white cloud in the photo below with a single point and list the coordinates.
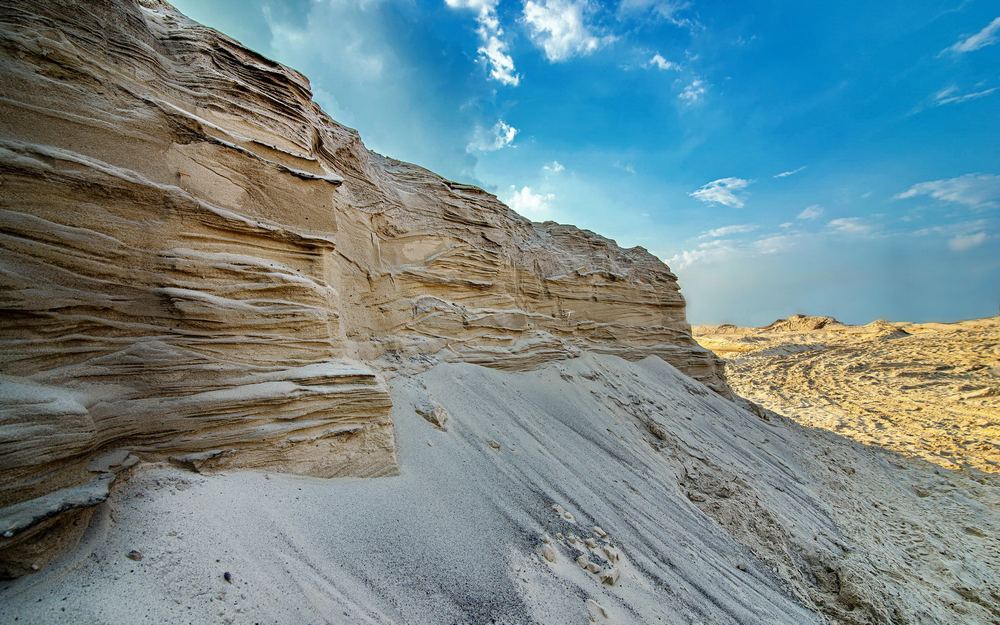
(811, 212)
(693, 92)
(951, 95)
(661, 63)
(560, 29)
(554, 167)
(975, 190)
(667, 10)
(726, 231)
(986, 37)
(500, 136)
(707, 252)
(786, 225)
(528, 203)
(719, 250)
(774, 244)
(961, 243)
(790, 172)
(959, 228)
(722, 191)
(849, 225)
(627, 167)
(492, 48)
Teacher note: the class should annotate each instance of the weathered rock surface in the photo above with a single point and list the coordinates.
(197, 264)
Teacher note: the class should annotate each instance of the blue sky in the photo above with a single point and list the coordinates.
(834, 158)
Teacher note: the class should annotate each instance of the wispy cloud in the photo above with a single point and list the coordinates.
(661, 63)
(812, 211)
(553, 168)
(726, 231)
(693, 92)
(492, 47)
(975, 190)
(964, 242)
(709, 251)
(500, 136)
(723, 191)
(560, 28)
(725, 250)
(850, 225)
(627, 167)
(529, 203)
(959, 228)
(961, 236)
(985, 37)
(951, 95)
(790, 172)
(667, 10)
(774, 244)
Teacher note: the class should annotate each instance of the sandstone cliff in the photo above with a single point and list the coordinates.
(198, 265)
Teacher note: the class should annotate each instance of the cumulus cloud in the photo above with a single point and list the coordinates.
(811, 212)
(974, 190)
(722, 191)
(693, 92)
(492, 48)
(497, 138)
(560, 29)
(963, 242)
(790, 172)
(986, 37)
(951, 95)
(726, 231)
(660, 63)
(850, 225)
(553, 168)
(527, 202)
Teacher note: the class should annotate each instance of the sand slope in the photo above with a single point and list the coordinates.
(930, 390)
(716, 515)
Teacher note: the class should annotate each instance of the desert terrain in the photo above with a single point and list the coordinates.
(254, 372)
(928, 390)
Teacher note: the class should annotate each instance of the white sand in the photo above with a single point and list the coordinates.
(727, 518)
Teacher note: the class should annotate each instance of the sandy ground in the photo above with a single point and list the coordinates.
(929, 390)
(706, 512)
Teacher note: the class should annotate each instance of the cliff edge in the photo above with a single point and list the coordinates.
(200, 266)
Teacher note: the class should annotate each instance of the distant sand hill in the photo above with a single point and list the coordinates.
(925, 389)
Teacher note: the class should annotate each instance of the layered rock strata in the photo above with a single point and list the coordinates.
(198, 265)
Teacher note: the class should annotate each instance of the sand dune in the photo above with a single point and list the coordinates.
(930, 390)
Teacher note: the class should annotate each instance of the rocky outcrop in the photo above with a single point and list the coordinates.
(198, 265)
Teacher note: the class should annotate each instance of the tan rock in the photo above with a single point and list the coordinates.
(433, 413)
(610, 576)
(548, 552)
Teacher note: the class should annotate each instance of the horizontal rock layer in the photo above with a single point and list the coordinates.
(197, 264)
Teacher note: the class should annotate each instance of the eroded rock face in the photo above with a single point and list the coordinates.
(197, 264)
